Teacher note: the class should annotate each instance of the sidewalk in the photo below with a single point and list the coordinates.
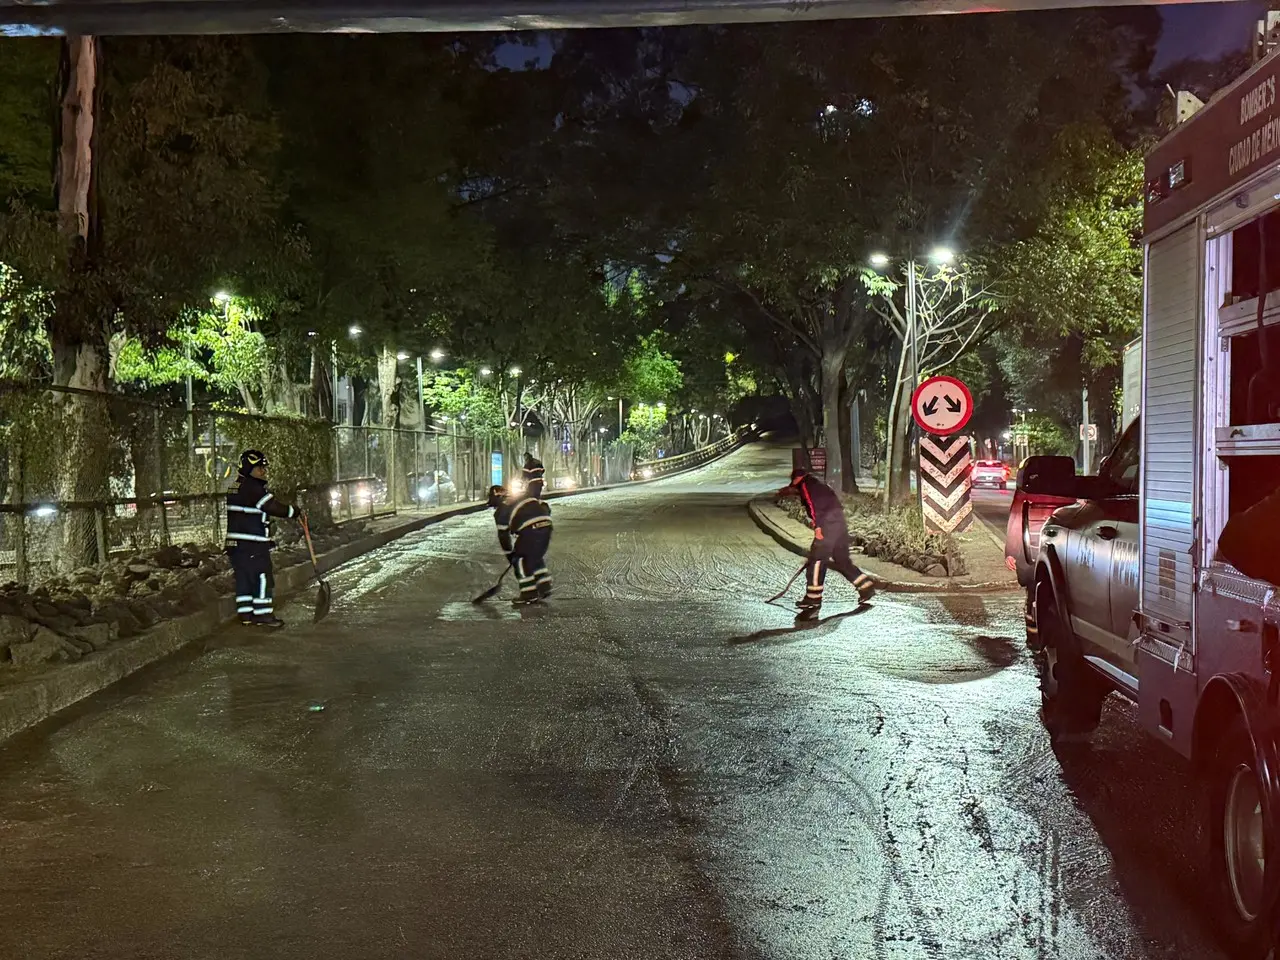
(983, 556)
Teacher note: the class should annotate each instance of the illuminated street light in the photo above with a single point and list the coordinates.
(222, 297)
(354, 331)
(402, 356)
(604, 429)
(437, 355)
(831, 108)
(942, 255)
(514, 371)
(879, 259)
(485, 371)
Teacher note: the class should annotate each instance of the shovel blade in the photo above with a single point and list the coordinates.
(322, 603)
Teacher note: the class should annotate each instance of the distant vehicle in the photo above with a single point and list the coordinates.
(990, 473)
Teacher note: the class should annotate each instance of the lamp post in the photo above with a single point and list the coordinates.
(519, 424)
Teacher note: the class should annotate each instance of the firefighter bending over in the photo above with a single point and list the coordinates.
(524, 533)
(830, 546)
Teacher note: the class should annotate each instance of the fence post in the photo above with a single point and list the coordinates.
(164, 481)
(393, 471)
(100, 531)
(20, 497)
(213, 476)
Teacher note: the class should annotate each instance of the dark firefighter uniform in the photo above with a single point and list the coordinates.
(532, 475)
(249, 509)
(524, 533)
(830, 546)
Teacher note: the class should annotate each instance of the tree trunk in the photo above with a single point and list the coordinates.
(77, 336)
(901, 470)
(892, 435)
(846, 438)
(832, 375)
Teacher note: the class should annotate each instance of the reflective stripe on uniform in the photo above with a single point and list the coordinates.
(263, 501)
(236, 507)
(248, 536)
(262, 586)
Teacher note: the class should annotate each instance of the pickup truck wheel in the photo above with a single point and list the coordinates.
(1070, 695)
(1237, 844)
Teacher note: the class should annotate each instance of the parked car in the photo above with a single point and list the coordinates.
(990, 473)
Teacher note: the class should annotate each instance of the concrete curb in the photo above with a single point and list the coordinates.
(26, 703)
(888, 586)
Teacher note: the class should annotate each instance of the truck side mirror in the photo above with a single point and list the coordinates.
(1049, 476)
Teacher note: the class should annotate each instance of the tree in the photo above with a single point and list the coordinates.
(162, 187)
(1076, 286)
(951, 308)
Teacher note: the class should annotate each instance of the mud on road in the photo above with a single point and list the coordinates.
(657, 765)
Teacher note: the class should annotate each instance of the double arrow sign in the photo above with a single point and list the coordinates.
(930, 407)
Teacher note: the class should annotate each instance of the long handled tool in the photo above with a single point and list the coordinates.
(495, 588)
(323, 594)
(785, 590)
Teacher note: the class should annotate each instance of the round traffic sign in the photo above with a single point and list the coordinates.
(942, 405)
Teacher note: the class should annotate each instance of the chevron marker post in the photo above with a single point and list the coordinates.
(945, 483)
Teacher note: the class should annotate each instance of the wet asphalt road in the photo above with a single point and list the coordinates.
(659, 766)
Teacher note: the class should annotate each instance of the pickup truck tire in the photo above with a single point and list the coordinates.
(1071, 694)
(1235, 834)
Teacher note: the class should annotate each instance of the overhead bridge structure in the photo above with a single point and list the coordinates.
(106, 17)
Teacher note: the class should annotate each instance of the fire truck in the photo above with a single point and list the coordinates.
(1127, 591)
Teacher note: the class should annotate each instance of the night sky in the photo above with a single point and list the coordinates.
(1190, 30)
(1206, 29)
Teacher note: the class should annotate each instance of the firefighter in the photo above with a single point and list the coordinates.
(524, 533)
(830, 546)
(532, 475)
(249, 507)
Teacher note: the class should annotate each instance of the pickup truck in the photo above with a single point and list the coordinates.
(1078, 560)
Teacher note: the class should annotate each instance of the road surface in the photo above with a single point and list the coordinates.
(658, 766)
(992, 508)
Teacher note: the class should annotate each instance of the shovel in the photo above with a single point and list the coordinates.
(322, 595)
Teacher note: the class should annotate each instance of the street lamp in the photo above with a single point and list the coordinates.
(485, 372)
(942, 255)
(402, 356)
(879, 260)
(354, 331)
(222, 297)
(514, 371)
(437, 355)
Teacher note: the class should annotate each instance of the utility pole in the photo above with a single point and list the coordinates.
(915, 382)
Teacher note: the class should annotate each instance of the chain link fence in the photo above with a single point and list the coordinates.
(86, 476)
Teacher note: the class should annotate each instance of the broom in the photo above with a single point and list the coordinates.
(322, 594)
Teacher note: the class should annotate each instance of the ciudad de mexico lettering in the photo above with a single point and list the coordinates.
(1263, 141)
